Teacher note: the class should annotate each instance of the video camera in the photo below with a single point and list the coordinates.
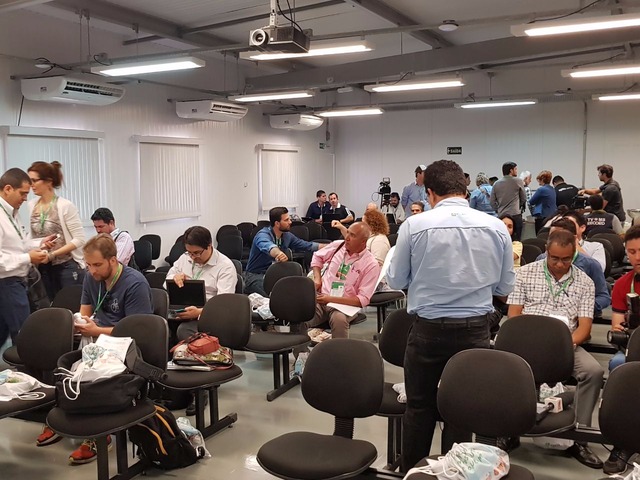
(579, 202)
(632, 321)
(385, 191)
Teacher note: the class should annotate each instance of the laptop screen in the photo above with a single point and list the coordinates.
(191, 294)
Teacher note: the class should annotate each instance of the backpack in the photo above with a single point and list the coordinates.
(160, 440)
(132, 261)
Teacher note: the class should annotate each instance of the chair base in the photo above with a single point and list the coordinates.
(216, 423)
(394, 443)
(281, 381)
(125, 471)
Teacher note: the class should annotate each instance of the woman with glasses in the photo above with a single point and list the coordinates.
(52, 215)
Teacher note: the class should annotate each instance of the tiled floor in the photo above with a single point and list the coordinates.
(233, 450)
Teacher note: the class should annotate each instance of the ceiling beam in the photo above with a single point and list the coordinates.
(137, 20)
(512, 49)
(392, 15)
(9, 5)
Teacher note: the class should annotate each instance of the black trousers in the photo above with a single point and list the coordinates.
(431, 344)
(517, 227)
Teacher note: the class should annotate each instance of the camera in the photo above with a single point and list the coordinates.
(385, 191)
(579, 202)
(258, 38)
(632, 320)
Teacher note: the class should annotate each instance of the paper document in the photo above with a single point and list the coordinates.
(117, 345)
(348, 310)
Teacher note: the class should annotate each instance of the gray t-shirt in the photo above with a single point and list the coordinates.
(130, 295)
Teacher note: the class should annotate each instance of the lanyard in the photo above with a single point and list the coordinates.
(45, 214)
(102, 298)
(195, 275)
(345, 267)
(562, 287)
(13, 222)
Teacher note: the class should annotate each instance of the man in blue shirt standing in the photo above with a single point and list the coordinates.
(269, 246)
(415, 192)
(452, 259)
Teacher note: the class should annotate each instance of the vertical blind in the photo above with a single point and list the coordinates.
(278, 169)
(169, 180)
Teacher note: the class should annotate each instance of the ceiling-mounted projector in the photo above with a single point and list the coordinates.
(280, 39)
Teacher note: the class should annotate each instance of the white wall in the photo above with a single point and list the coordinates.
(546, 136)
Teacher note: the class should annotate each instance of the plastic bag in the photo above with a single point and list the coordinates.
(195, 437)
(18, 385)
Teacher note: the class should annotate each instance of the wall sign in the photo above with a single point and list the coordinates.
(454, 150)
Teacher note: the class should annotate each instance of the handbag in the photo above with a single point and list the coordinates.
(202, 349)
(201, 344)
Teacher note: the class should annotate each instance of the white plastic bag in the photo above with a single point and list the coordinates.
(194, 436)
(468, 461)
(18, 385)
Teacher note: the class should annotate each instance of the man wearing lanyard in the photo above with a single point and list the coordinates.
(201, 261)
(452, 259)
(555, 287)
(15, 254)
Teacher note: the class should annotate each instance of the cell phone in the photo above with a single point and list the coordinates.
(181, 310)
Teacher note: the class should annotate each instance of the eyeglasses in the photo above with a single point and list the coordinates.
(195, 254)
(35, 180)
(565, 260)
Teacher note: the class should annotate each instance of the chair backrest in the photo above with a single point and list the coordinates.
(293, 299)
(607, 264)
(596, 230)
(393, 228)
(238, 265)
(393, 337)
(227, 230)
(156, 244)
(488, 392)
(604, 242)
(245, 231)
(160, 302)
(633, 347)
(151, 334)
(316, 230)
(156, 279)
(301, 231)
(263, 223)
(45, 335)
(393, 238)
(618, 419)
(143, 254)
(544, 342)
(529, 253)
(68, 297)
(228, 317)
(253, 234)
(278, 270)
(616, 243)
(543, 234)
(239, 283)
(230, 246)
(176, 251)
(345, 378)
(541, 243)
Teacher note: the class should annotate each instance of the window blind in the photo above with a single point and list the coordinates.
(279, 176)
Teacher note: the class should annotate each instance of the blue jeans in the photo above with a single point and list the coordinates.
(617, 360)
(430, 346)
(254, 283)
(14, 307)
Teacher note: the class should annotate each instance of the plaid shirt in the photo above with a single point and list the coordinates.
(532, 291)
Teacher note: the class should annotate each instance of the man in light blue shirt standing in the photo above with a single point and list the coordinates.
(414, 192)
(453, 260)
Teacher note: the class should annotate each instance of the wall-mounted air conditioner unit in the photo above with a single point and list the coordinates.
(296, 121)
(70, 90)
(211, 110)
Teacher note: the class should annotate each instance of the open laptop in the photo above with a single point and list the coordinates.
(191, 294)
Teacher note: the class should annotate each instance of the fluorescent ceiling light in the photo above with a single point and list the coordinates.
(149, 66)
(617, 96)
(259, 97)
(495, 104)
(421, 84)
(316, 50)
(619, 69)
(588, 24)
(353, 112)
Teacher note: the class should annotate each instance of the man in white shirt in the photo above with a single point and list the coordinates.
(16, 254)
(104, 222)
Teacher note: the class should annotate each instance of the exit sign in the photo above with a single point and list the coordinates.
(454, 150)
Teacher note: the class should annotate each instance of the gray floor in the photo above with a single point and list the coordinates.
(233, 450)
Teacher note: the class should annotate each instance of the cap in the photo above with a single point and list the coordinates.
(421, 168)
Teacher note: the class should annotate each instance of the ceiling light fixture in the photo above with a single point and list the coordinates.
(415, 84)
(448, 26)
(498, 103)
(617, 96)
(352, 112)
(260, 97)
(588, 24)
(149, 66)
(619, 69)
(315, 50)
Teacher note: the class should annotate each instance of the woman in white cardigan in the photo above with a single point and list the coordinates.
(51, 215)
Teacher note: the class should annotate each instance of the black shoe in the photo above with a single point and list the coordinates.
(617, 462)
(191, 409)
(585, 456)
(508, 444)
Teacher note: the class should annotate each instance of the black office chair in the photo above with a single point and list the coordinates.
(238, 265)
(633, 347)
(316, 231)
(392, 345)
(176, 251)
(69, 298)
(343, 378)
(393, 228)
(160, 302)
(45, 335)
(383, 299)
(278, 270)
(302, 232)
(156, 244)
(151, 335)
(231, 246)
(156, 279)
(263, 223)
(227, 230)
(292, 300)
(245, 231)
(617, 245)
(541, 243)
(529, 253)
(490, 393)
(393, 238)
(228, 317)
(143, 254)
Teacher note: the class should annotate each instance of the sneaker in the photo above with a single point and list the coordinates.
(87, 452)
(617, 462)
(314, 332)
(322, 337)
(47, 437)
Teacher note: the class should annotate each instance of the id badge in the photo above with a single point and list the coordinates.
(563, 318)
(337, 289)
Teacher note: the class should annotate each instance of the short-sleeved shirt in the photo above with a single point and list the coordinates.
(565, 194)
(613, 195)
(620, 290)
(533, 293)
(340, 210)
(130, 295)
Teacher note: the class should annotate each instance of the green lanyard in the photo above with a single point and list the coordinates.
(562, 287)
(101, 298)
(344, 267)
(196, 275)
(13, 222)
(45, 214)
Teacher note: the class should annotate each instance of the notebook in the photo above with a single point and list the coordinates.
(192, 293)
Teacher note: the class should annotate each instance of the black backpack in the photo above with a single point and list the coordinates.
(160, 440)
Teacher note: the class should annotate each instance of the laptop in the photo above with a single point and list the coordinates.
(191, 294)
(391, 218)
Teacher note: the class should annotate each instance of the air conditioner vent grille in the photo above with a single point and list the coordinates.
(228, 108)
(92, 88)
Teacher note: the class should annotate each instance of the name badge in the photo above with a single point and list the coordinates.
(563, 318)
(337, 289)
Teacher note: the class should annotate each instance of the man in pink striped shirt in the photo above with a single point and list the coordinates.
(349, 279)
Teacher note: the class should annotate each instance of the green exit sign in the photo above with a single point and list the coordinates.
(454, 150)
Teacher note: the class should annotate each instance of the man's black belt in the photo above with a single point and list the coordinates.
(448, 322)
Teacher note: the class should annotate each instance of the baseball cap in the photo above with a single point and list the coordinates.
(421, 168)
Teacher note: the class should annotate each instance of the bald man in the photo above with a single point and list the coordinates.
(350, 279)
